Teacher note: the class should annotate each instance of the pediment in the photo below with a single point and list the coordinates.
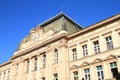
(85, 64)
(111, 57)
(97, 60)
(74, 67)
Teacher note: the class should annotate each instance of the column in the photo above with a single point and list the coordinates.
(71, 75)
(115, 39)
(106, 70)
(80, 74)
(118, 64)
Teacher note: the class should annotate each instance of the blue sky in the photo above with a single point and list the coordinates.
(17, 17)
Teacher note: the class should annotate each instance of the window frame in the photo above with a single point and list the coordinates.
(85, 50)
(113, 65)
(87, 74)
(109, 43)
(74, 53)
(56, 76)
(44, 60)
(35, 63)
(96, 47)
(75, 75)
(56, 55)
(28, 64)
(100, 73)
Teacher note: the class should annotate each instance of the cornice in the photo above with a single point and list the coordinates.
(96, 26)
(44, 43)
(6, 63)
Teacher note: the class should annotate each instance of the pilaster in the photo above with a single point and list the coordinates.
(90, 47)
(102, 42)
(106, 70)
(93, 73)
(115, 39)
(118, 64)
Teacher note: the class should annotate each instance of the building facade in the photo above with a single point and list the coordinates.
(60, 49)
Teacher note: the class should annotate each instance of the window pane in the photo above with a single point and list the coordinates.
(96, 47)
(109, 43)
(75, 75)
(74, 53)
(55, 55)
(85, 52)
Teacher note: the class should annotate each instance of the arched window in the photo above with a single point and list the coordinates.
(56, 55)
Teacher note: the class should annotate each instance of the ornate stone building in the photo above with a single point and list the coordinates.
(60, 49)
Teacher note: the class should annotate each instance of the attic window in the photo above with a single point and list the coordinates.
(35, 38)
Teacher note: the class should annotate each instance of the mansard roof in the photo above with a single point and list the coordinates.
(59, 16)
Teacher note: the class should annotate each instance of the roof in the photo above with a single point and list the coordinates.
(57, 17)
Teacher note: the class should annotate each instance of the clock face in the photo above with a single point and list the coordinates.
(35, 38)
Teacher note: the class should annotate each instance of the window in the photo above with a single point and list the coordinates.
(55, 76)
(74, 51)
(75, 75)
(114, 69)
(43, 78)
(4, 76)
(87, 74)
(109, 43)
(35, 38)
(0, 76)
(28, 63)
(8, 77)
(36, 61)
(85, 52)
(100, 73)
(44, 60)
(55, 55)
(17, 68)
(96, 47)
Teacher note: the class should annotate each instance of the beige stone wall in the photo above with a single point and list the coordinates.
(104, 58)
(27, 63)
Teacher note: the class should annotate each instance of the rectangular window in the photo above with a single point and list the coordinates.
(75, 75)
(87, 74)
(96, 47)
(8, 77)
(17, 68)
(114, 69)
(43, 78)
(74, 51)
(109, 43)
(55, 76)
(28, 63)
(100, 73)
(35, 66)
(44, 61)
(4, 76)
(85, 51)
(56, 55)
(0, 76)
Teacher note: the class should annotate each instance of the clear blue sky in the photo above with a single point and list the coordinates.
(17, 17)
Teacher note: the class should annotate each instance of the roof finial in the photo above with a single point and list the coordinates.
(61, 9)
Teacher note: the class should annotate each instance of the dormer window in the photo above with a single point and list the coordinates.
(35, 38)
